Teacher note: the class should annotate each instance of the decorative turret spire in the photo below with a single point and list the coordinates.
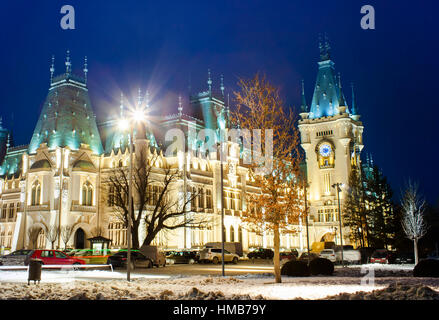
(68, 63)
(139, 97)
(147, 98)
(324, 48)
(85, 69)
(304, 106)
(354, 107)
(209, 81)
(52, 69)
(222, 85)
(342, 102)
(121, 105)
(180, 107)
(8, 143)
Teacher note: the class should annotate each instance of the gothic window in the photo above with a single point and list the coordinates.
(11, 211)
(87, 194)
(200, 198)
(209, 199)
(4, 209)
(36, 193)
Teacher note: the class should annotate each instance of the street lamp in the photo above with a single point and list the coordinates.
(124, 124)
(338, 187)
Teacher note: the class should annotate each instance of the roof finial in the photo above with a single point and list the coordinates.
(68, 63)
(85, 69)
(209, 81)
(180, 106)
(121, 104)
(354, 107)
(324, 48)
(52, 69)
(222, 85)
(304, 106)
(8, 143)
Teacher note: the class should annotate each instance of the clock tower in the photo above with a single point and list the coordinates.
(331, 136)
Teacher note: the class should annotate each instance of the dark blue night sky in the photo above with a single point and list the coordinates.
(167, 47)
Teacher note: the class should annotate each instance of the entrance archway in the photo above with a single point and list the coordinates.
(327, 237)
(79, 239)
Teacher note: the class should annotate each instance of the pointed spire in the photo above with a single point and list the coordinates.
(180, 106)
(139, 97)
(147, 99)
(222, 85)
(85, 69)
(341, 100)
(8, 143)
(354, 107)
(304, 106)
(209, 81)
(52, 69)
(68, 63)
(121, 105)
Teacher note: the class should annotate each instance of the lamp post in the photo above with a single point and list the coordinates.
(338, 188)
(138, 115)
(306, 217)
(220, 144)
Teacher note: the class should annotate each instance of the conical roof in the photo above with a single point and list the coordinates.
(67, 118)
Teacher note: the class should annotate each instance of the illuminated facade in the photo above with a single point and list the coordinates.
(60, 178)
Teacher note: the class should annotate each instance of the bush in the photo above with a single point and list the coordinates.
(321, 266)
(427, 268)
(294, 268)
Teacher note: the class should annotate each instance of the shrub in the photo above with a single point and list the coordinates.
(321, 266)
(294, 268)
(427, 268)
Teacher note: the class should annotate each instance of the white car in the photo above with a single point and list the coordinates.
(328, 254)
(350, 255)
(215, 255)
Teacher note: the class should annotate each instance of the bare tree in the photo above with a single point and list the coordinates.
(52, 234)
(413, 223)
(66, 234)
(32, 234)
(157, 199)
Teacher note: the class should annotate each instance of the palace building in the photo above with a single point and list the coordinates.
(58, 179)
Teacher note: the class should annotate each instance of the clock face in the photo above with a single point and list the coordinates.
(325, 150)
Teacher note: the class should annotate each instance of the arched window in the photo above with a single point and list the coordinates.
(232, 234)
(87, 194)
(36, 193)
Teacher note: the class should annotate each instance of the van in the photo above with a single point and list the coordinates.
(153, 253)
(233, 247)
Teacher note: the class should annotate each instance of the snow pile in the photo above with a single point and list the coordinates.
(396, 291)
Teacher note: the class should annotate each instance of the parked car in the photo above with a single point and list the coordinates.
(138, 260)
(404, 258)
(350, 255)
(16, 258)
(182, 257)
(53, 257)
(261, 253)
(154, 254)
(215, 256)
(289, 255)
(328, 254)
(233, 247)
(381, 256)
(304, 256)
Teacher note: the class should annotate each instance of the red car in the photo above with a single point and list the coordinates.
(381, 256)
(53, 257)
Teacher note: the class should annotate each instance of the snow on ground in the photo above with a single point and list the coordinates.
(112, 285)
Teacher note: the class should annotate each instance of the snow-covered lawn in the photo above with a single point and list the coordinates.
(97, 285)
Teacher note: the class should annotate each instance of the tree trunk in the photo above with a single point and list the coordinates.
(135, 236)
(276, 258)
(415, 248)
